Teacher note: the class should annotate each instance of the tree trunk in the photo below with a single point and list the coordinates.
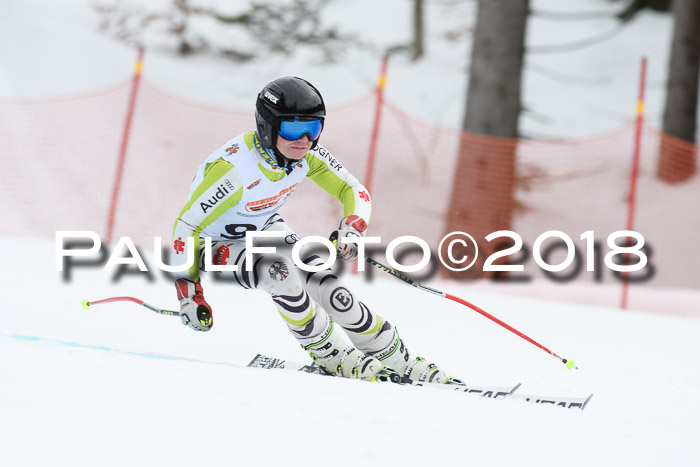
(417, 29)
(482, 199)
(680, 112)
(493, 95)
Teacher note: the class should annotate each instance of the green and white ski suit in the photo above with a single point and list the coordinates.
(240, 188)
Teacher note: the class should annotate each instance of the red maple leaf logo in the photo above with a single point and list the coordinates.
(179, 246)
(364, 195)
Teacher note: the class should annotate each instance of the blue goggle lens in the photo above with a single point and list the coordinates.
(292, 130)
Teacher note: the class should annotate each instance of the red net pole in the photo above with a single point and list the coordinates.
(372, 154)
(632, 201)
(371, 157)
(135, 81)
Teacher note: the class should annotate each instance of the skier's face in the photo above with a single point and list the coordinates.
(294, 150)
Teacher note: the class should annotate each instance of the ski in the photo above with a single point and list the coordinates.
(566, 402)
(491, 392)
(271, 363)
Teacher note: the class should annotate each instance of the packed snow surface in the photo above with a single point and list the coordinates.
(120, 385)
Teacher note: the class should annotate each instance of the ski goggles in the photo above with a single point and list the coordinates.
(292, 130)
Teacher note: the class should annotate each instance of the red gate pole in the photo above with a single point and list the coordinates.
(372, 154)
(632, 201)
(135, 81)
(371, 157)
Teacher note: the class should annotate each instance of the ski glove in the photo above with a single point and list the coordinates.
(195, 312)
(351, 226)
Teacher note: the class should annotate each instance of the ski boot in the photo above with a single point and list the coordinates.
(413, 370)
(337, 358)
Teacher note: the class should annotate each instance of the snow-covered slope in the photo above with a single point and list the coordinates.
(100, 387)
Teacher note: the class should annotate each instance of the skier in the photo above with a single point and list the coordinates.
(239, 188)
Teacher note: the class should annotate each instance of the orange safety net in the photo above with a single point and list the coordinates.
(59, 158)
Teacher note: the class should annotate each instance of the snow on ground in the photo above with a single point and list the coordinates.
(119, 385)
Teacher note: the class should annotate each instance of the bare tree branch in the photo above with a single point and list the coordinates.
(578, 45)
(277, 28)
(572, 15)
(565, 77)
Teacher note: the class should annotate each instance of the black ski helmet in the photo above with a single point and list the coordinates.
(286, 97)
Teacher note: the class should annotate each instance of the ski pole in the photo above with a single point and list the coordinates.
(569, 363)
(87, 304)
